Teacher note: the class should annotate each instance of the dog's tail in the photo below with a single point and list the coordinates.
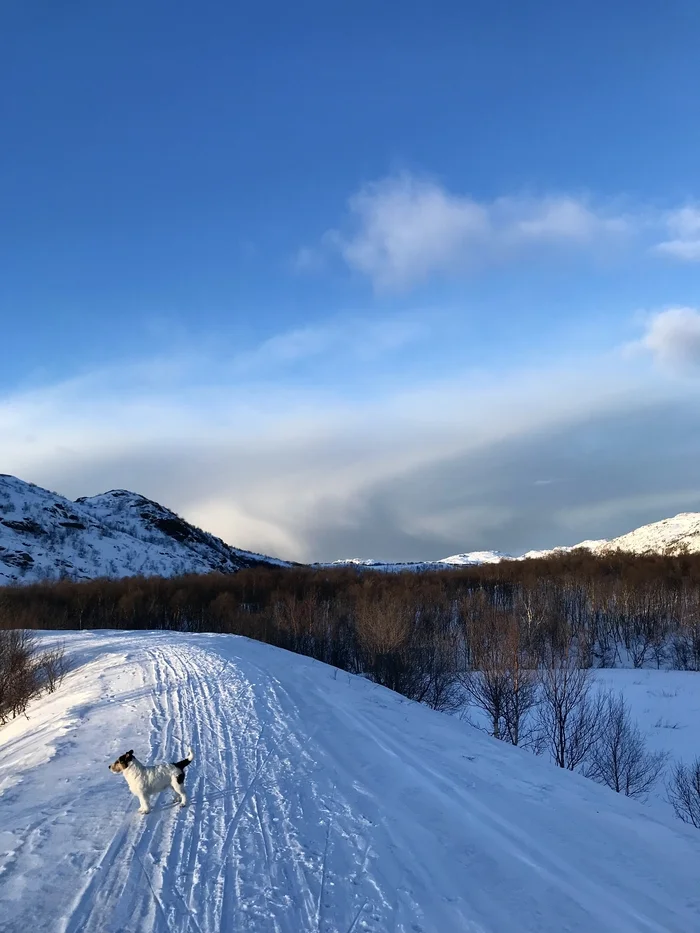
(185, 761)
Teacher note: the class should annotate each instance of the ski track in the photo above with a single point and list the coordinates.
(259, 847)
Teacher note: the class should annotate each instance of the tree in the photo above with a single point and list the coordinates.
(570, 715)
(619, 759)
(683, 792)
(504, 680)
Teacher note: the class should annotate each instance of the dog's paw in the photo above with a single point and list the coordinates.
(141, 810)
(183, 803)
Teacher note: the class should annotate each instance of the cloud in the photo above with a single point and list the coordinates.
(673, 337)
(349, 337)
(403, 228)
(683, 226)
(406, 471)
(684, 222)
(308, 259)
(685, 250)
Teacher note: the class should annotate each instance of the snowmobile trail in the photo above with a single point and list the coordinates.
(318, 803)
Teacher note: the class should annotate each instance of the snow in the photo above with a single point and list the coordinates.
(469, 559)
(682, 531)
(117, 534)
(319, 802)
(664, 704)
(666, 707)
(671, 535)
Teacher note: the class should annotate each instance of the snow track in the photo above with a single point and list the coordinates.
(318, 803)
(235, 859)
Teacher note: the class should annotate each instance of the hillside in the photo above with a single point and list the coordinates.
(117, 534)
(318, 802)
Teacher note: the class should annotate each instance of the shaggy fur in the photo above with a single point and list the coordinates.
(146, 780)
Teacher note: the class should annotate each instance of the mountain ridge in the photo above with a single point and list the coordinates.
(667, 536)
(118, 533)
(45, 536)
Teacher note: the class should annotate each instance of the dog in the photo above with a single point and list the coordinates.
(146, 780)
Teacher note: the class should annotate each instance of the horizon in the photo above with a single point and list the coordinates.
(331, 281)
(532, 552)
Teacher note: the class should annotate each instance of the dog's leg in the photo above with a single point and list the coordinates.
(143, 800)
(176, 782)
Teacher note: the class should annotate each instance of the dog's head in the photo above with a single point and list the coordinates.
(123, 762)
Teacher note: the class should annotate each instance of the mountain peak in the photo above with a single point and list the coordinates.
(115, 534)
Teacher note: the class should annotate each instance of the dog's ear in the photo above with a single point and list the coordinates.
(130, 752)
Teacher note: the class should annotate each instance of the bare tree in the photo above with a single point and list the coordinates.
(51, 666)
(504, 683)
(619, 759)
(683, 792)
(18, 675)
(570, 714)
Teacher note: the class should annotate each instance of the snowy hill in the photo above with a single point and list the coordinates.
(318, 802)
(669, 536)
(45, 536)
(470, 559)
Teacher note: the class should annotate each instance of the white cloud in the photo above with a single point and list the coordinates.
(404, 228)
(408, 228)
(673, 337)
(349, 336)
(559, 220)
(683, 226)
(685, 250)
(685, 222)
(295, 471)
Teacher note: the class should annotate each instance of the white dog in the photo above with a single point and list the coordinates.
(146, 780)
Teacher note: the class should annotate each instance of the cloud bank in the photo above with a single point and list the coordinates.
(418, 470)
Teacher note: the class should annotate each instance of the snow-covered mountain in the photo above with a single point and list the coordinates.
(121, 533)
(117, 534)
(470, 559)
(669, 536)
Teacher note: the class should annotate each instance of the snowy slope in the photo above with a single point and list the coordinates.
(319, 802)
(44, 536)
(670, 535)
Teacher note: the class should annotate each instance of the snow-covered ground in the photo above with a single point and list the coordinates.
(319, 802)
(666, 707)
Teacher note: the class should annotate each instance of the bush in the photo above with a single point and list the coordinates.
(683, 792)
(24, 673)
(619, 759)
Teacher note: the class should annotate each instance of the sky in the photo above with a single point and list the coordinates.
(355, 280)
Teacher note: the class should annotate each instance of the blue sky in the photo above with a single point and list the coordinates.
(339, 279)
